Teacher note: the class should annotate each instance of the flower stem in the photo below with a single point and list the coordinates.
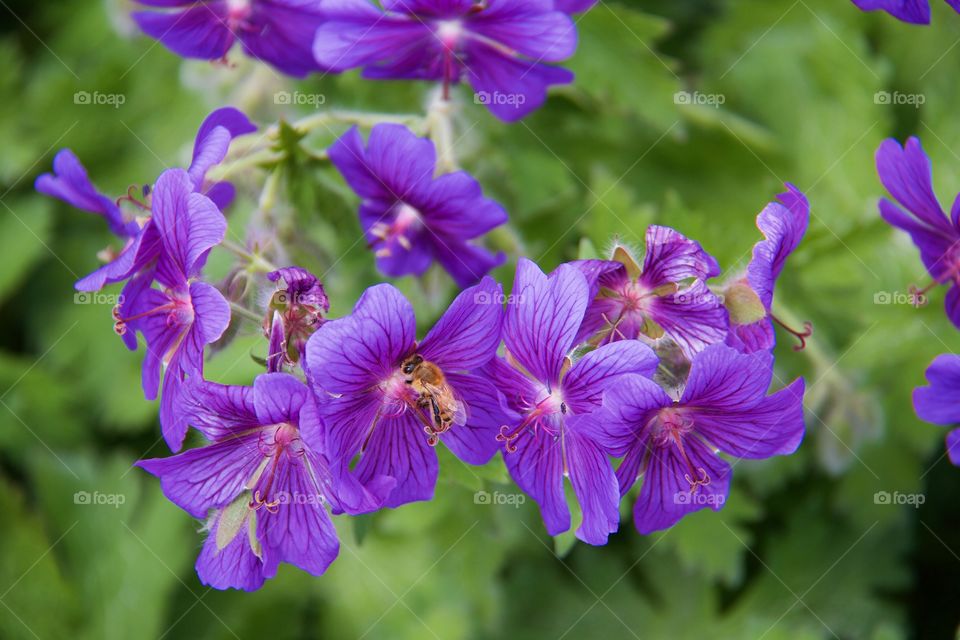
(245, 313)
(256, 262)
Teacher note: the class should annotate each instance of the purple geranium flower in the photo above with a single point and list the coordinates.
(573, 6)
(410, 217)
(391, 399)
(544, 435)
(278, 32)
(913, 11)
(261, 488)
(905, 172)
(674, 444)
(940, 402)
(666, 297)
(184, 315)
(498, 46)
(71, 184)
(749, 297)
(294, 313)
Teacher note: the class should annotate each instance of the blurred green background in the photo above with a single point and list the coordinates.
(802, 550)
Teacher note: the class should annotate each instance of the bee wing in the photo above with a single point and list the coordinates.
(446, 396)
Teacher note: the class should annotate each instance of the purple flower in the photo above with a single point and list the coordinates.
(666, 297)
(391, 399)
(905, 172)
(498, 46)
(142, 246)
(913, 11)
(749, 297)
(411, 218)
(260, 487)
(278, 32)
(939, 403)
(545, 435)
(573, 6)
(183, 315)
(674, 444)
(295, 311)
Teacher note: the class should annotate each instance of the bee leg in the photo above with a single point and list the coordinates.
(438, 420)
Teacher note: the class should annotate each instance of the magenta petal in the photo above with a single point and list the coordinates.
(235, 566)
(665, 496)
(207, 477)
(543, 316)
(586, 381)
(595, 485)
(468, 333)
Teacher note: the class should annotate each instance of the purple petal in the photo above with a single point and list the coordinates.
(197, 32)
(783, 226)
(672, 258)
(772, 427)
(71, 184)
(537, 468)
(532, 29)
(585, 383)
(468, 333)
(466, 263)
(139, 254)
(953, 447)
(213, 140)
(595, 485)
(398, 448)
(235, 566)
(573, 6)
(281, 33)
(476, 441)
(217, 410)
(749, 338)
(951, 303)
(300, 532)
(913, 11)
(665, 496)
(905, 172)
(543, 316)
(722, 379)
(278, 397)
(454, 206)
(358, 34)
(395, 162)
(939, 402)
(936, 245)
(207, 477)
(693, 318)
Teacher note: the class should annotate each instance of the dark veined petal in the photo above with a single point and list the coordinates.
(397, 448)
(935, 244)
(594, 484)
(279, 397)
(905, 172)
(70, 183)
(774, 426)
(218, 410)
(628, 404)
(476, 441)
(281, 33)
(235, 565)
(586, 381)
(467, 335)
(207, 477)
(530, 27)
(543, 315)
(671, 258)
(693, 317)
(465, 262)
(722, 379)
(665, 496)
(537, 468)
(939, 402)
(196, 32)
(783, 225)
(358, 34)
(213, 140)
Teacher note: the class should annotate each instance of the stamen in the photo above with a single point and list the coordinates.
(919, 296)
(702, 478)
(800, 335)
(132, 199)
(120, 324)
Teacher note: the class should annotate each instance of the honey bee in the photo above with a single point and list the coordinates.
(428, 381)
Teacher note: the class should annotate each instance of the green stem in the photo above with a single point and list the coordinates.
(245, 313)
(256, 262)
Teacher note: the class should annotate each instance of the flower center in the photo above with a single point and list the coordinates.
(450, 32)
(406, 222)
(539, 415)
(179, 310)
(284, 438)
(670, 427)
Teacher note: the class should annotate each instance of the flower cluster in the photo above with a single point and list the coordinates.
(601, 372)
(905, 172)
